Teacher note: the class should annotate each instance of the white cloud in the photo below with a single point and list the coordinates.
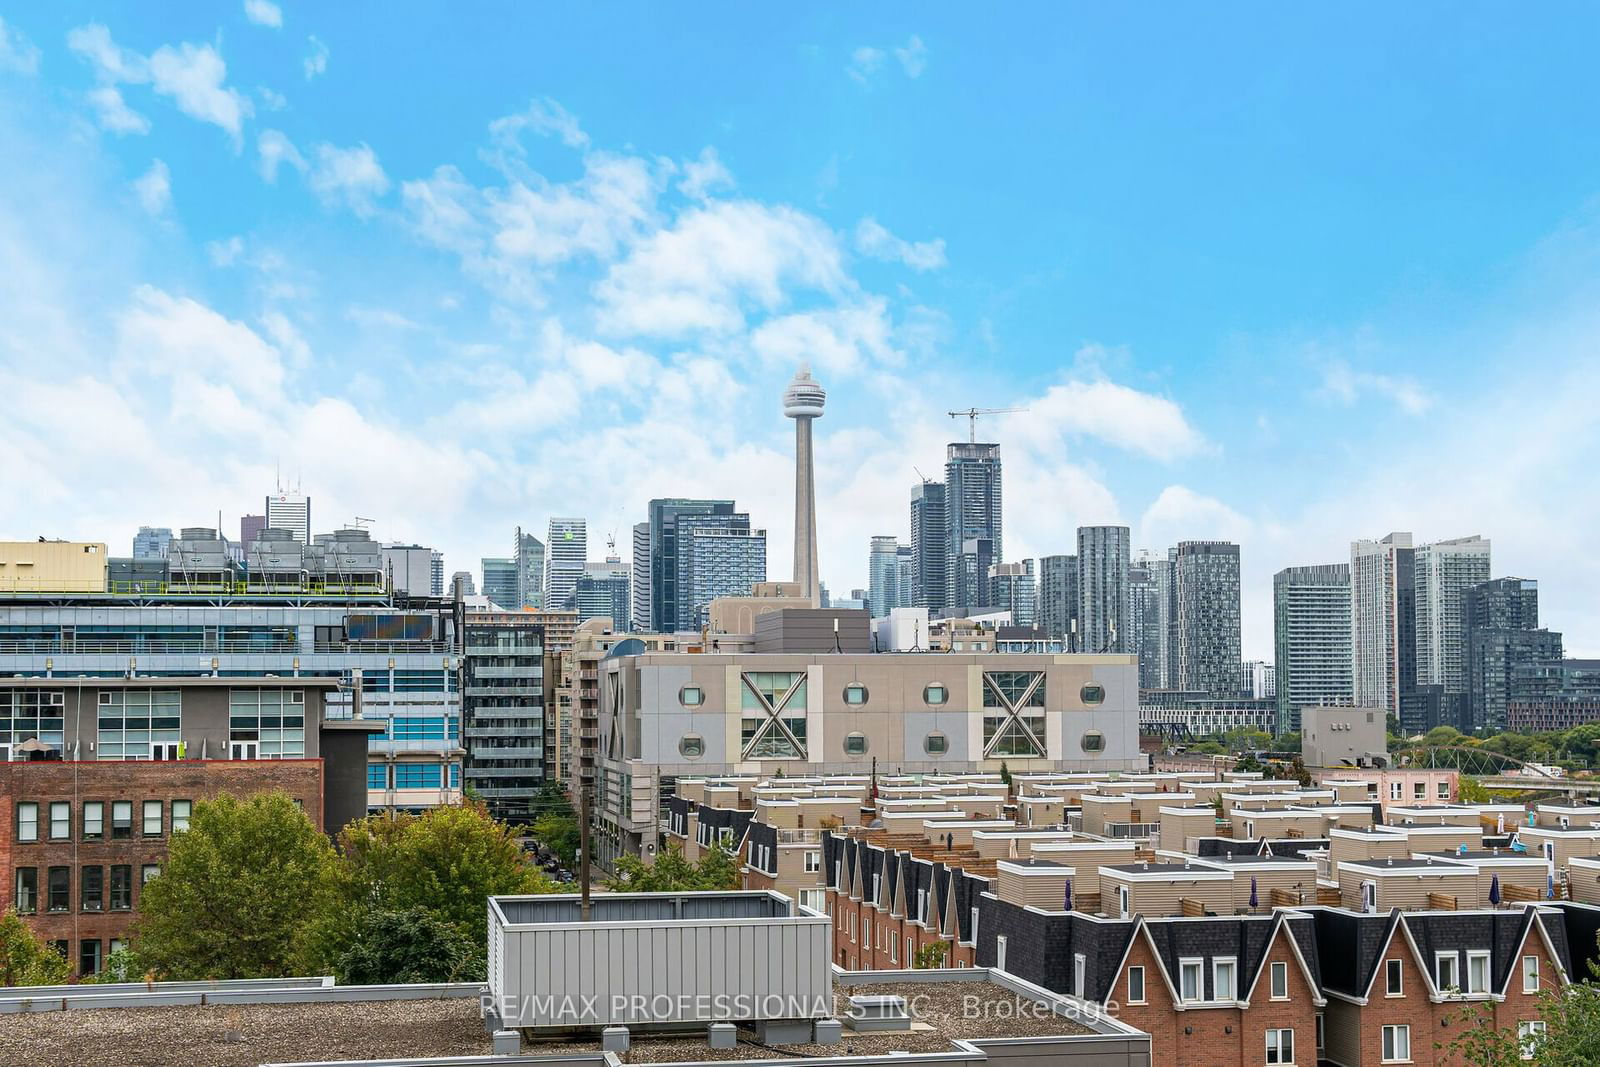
(544, 117)
(17, 53)
(1181, 514)
(1138, 422)
(443, 211)
(701, 176)
(913, 57)
(593, 216)
(316, 60)
(1346, 386)
(225, 253)
(875, 241)
(263, 13)
(193, 75)
(349, 176)
(379, 317)
(113, 114)
(271, 99)
(717, 259)
(111, 62)
(864, 63)
(154, 189)
(868, 60)
(841, 341)
(275, 149)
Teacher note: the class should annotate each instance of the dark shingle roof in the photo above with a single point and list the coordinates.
(1348, 947)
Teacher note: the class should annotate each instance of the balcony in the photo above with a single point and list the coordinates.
(498, 731)
(479, 753)
(799, 837)
(532, 672)
(588, 694)
(504, 691)
(589, 676)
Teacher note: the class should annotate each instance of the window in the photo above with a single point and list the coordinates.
(855, 744)
(813, 861)
(1123, 901)
(1444, 789)
(1094, 741)
(936, 744)
(121, 887)
(1222, 979)
(1477, 972)
(121, 819)
(180, 814)
(132, 720)
(1092, 694)
(89, 956)
(1530, 974)
(1396, 790)
(1280, 983)
(773, 725)
(148, 871)
(815, 899)
(152, 818)
(1419, 790)
(1189, 979)
(60, 820)
(27, 890)
(1080, 971)
(377, 778)
(32, 713)
(1280, 1046)
(273, 719)
(1322, 1037)
(418, 776)
(935, 694)
(855, 694)
(92, 886)
(1529, 1034)
(691, 696)
(1396, 1043)
(1135, 985)
(1391, 970)
(94, 820)
(60, 889)
(691, 746)
(1447, 967)
(27, 821)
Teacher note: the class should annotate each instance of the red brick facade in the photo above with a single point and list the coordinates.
(75, 783)
(863, 933)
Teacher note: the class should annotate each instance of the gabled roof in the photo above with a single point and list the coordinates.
(1281, 928)
(1354, 942)
(1501, 933)
(1244, 937)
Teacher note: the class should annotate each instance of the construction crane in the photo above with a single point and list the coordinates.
(971, 415)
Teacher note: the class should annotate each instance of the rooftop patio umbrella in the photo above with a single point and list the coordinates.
(1069, 894)
(1550, 885)
(1255, 900)
(1494, 891)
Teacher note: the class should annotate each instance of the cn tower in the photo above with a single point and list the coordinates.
(802, 402)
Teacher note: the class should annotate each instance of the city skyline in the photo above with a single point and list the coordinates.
(420, 314)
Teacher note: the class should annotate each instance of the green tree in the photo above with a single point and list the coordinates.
(1289, 742)
(672, 872)
(237, 890)
(1572, 1024)
(1442, 735)
(123, 965)
(407, 946)
(1208, 748)
(24, 959)
(446, 862)
(1477, 1042)
(1472, 791)
(929, 957)
(555, 824)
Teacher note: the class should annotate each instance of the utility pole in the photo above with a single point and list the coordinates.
(583, 847)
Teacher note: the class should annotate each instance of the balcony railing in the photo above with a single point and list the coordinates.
(799, 837)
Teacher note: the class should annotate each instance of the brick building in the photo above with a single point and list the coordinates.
(80, 837)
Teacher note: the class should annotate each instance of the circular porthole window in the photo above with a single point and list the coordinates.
(1094, 741)
(936, 744)
(1092, 694)
(692, 746)
(691, 696)
(855, 744)
(935, 694)
(855, 694)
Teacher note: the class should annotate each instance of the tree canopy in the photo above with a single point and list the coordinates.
(236, 892)
(24, 959)
(671, 872)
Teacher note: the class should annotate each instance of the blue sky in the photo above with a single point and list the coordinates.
(1285, 275)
